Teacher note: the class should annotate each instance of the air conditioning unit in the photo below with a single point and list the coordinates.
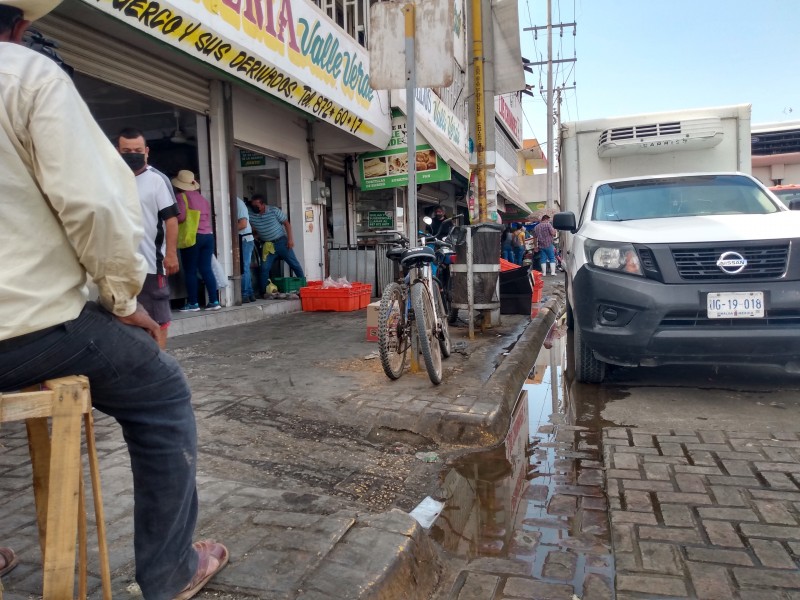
(654, 138)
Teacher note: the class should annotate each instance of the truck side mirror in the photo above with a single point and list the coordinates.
(794, 204)
(565, 221)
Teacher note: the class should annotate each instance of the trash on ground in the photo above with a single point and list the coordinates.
(429, 457)
(426, 512)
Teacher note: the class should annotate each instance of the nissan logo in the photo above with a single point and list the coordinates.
(731, 263)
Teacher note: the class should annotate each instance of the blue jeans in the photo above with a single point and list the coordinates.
(519, 253)
(199, 257)
(247, 279)
(145, 390)
(508, 253)
(549, 253)
(283, 251)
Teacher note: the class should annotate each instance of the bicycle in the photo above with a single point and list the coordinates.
(414, 306)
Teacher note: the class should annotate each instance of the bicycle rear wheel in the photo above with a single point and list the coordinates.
(392, 331)
(426, 327)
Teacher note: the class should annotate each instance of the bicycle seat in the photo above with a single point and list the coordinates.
(395, 253)
(416, 256)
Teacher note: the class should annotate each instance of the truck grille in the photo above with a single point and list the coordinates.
(701, 263)
(774, 318)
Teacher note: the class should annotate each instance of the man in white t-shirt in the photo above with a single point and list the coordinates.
(160, 220)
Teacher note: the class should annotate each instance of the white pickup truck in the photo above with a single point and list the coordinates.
(691, 267)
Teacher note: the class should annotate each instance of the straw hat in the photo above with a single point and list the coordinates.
(32, 9)
(184, 180)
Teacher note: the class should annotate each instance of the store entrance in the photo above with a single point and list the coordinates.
(265, 175)
(171, 134)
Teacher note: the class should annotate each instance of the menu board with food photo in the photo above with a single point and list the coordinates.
(388, 169)
(375, 166)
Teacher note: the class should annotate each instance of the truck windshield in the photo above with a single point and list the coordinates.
(661, 198)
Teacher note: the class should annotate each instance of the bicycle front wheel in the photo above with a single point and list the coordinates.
(392, 331)
(425, 319)
(444, 331)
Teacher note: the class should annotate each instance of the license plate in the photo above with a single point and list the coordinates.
(735, 305)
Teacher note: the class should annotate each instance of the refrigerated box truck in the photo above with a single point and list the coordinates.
(673, 252)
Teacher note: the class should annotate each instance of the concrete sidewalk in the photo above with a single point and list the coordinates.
(307, 464)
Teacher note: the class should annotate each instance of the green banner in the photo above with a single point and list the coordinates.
(389, 168)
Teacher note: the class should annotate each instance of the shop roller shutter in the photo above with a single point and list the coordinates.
(92, 53)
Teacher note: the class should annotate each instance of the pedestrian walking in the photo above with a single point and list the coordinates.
(59, 172)
(545, 236)
(196, 257)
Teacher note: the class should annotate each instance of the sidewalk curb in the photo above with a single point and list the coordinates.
(382, 557)
(506, 382)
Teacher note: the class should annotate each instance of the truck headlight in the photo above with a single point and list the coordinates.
(614, 257)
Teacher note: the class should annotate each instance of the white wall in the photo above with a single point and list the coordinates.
(260, 123)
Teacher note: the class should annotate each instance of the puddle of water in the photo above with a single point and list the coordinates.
(538, 498)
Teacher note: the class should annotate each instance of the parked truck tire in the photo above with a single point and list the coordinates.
(587, 368)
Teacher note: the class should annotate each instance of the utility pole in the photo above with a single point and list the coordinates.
(550, 153)
(550, 94)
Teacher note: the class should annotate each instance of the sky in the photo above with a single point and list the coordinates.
(641, 56)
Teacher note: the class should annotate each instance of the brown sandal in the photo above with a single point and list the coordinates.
(10, 560)
(213, 556)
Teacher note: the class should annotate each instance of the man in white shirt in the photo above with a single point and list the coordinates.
(160, 219)
(59, 172)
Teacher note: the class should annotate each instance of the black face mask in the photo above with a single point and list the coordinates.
(135, 160)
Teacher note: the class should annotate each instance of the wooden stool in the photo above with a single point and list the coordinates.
(58, 480)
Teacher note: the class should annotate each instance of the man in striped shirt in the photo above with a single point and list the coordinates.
(270, 224)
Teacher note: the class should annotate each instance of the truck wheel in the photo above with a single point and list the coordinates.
(587, 368)
(570, 317)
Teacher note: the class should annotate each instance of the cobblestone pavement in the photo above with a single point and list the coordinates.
(306, 464)
(704, 514)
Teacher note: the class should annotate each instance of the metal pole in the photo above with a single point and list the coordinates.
(480, 118)
(411, 125)
(550, 153)
(230, 151)
(411, 141)
(470, 286)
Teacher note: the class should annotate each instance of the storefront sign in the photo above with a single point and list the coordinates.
(380, 219)
(248, 158)
(288, 48)
(389, 169)
(508, 109)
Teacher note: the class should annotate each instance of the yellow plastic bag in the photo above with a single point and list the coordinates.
(269, 248)
(187, 231)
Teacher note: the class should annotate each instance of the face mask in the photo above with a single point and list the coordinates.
(135, 160)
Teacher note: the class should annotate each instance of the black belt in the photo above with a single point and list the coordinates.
(22, 340)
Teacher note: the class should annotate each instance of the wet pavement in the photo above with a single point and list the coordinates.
(529, 517)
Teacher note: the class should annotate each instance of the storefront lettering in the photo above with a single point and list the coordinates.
(423, 96)
(324, 54)
(210, 45)
(446, 122)
(150, 14)
(254, 13)
(508, 117)
(265, 74)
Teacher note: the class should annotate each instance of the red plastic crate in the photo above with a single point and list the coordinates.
(365, 294)
(335, 299)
